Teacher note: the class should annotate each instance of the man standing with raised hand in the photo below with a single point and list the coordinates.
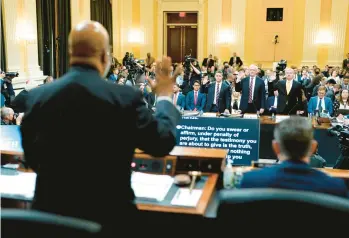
(74, 132)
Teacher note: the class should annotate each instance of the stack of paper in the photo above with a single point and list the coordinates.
(150, 185)
(281, 118)
(21, 185)
(184, 197)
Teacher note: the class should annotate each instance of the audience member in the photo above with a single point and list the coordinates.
(294, 144)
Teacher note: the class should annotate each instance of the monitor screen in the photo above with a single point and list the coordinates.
(11, 139)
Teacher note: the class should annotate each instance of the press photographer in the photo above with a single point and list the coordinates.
(135, 69)
(6, 86)
(192, 73)
(9, 117)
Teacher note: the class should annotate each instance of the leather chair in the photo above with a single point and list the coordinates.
(29, 223)
(287, 209)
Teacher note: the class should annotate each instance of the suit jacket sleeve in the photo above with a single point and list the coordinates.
(263, 102)
(231, 61)
(310, 107)
(183, 102)
(228, 98)
(203, 102)
(161, 127)
(30, 131)
(238, 86)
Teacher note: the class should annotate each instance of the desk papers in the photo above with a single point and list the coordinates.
(21, 185)
(281, 118)
(183, 197)
(150, 185)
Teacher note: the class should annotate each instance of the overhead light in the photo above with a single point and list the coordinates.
(324, 37)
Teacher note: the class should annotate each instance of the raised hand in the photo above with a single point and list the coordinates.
(163, 83)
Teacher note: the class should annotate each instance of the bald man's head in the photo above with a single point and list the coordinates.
(89, 45)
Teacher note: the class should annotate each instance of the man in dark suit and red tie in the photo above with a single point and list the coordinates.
(218, 94)
(290, 94)
(195, 101)
(252, 91)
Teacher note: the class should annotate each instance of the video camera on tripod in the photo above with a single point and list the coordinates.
(133, 66)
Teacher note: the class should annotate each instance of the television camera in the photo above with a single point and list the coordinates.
(281, 66)
(342, 133)
(135, 70)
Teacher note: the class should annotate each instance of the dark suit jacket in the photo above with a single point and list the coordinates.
(224, 96)
(270, 103)
(18, 104)
(180, 100)
(294, 175)
(345, 62)
(258, 95)
(67, 136)
(291, 102)
(211, 63)
(238, 61)
(200, 104)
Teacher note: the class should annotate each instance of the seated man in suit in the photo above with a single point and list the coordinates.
(294, 144)
(320, 102)
(272, 102)
(195, 100)
(218, 94)
(178, 98)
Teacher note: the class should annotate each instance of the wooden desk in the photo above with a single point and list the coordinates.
(201, 207)
(337, 173)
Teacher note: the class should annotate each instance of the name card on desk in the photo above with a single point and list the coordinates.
(151, 186)
(184, 197)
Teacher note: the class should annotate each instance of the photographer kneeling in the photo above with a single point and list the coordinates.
(8, 117)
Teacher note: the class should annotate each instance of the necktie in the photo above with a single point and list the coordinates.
(288, 86)
(320, 105)
(235, 105)
(250, 91)
(195, 98)
(217, 94)
(175, 99)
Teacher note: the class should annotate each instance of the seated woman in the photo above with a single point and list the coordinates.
(341, 103)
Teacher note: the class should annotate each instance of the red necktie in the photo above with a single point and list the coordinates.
(250, 91)
(195, 98)
(175, 99)
(217, 94)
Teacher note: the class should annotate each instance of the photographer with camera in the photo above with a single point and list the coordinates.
(9, 117)
(6, 86)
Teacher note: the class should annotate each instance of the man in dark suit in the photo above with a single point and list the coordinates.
(252, 91)
(178, 98)
(218, 94)
(290, 94)
(75, 129)
(272, 102)
(195, 100)
(208, 62)
(345, 62)
(293, 145)
(235, 61)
